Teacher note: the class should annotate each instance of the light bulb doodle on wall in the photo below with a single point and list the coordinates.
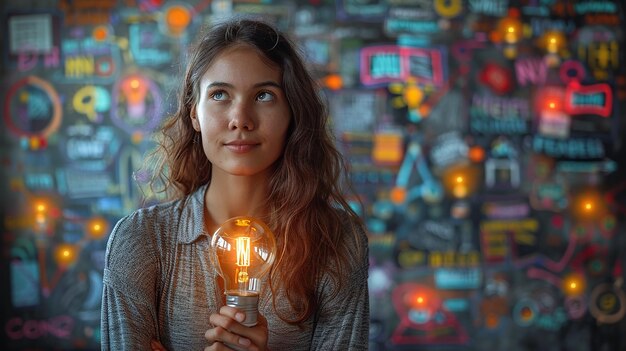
(554, 44)
(136, 104)
(509, 31)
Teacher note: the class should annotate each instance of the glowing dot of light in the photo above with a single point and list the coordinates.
(177, 19)
(66, 254)
(96, 227)
(552, 105)
(100, 33)
(134, 83)
(573, 285)
(511, 29)
(459, 179)
(476, 153)
(333, 81)
(413, 95)
(420, 300)
(398, 195)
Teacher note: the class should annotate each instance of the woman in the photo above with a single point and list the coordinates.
(250, 137)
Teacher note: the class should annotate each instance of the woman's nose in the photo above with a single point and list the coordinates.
(241, 117)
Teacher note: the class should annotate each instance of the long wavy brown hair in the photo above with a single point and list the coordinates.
(306, 198)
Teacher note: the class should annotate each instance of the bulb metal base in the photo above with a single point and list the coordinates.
(247, 304)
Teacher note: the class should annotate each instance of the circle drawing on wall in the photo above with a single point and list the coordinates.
(32, 107)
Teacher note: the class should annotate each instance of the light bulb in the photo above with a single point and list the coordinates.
(135, 89)
(243, 250)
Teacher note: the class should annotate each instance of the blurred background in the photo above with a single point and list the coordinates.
(485, 141)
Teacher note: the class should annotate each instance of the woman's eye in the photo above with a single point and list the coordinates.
(265, 96)
(219, 95)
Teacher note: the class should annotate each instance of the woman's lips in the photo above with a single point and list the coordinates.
(240, 146)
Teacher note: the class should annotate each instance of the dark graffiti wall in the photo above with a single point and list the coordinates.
(485, 140)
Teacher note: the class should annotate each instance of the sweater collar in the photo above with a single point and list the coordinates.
(192, 216)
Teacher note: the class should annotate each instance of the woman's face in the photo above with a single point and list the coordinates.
(242, 113)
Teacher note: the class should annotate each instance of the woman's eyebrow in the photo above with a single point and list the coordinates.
(268, 83)
(257, 85)
(219, 84)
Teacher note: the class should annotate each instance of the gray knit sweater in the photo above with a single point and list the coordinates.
(159, 284)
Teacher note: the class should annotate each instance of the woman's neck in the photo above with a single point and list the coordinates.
(230, 196)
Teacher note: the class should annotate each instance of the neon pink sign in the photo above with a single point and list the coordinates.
(391, 63)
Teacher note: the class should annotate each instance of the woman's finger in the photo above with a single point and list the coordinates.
(221, 335)
(227, 322)
(233, 313)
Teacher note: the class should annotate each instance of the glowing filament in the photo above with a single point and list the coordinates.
(243, 251)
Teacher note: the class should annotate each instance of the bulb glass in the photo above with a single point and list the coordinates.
(242, 251)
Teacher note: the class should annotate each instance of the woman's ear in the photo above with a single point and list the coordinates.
(194, 119)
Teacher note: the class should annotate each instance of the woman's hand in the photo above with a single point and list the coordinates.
(227, 328)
